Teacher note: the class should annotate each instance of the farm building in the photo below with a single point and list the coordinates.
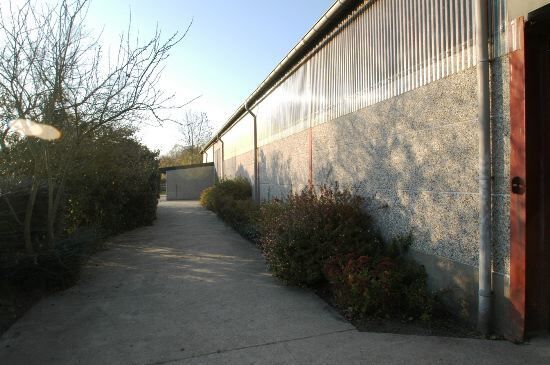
(435, 109)
(188, 181)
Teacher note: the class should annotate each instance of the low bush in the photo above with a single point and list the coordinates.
(213, 197)
(326, 239)
(378, 286)
(58, 268)
(299, 234)
(207, 198)
(231, 201)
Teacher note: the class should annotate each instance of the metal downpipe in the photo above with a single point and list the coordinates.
(223, 157)
(485, 287)
(256, 177)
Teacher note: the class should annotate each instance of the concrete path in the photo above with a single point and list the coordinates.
(189, 290)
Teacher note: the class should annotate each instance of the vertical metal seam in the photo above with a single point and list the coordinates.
(392, 47)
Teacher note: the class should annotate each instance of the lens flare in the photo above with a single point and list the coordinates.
(27, 127)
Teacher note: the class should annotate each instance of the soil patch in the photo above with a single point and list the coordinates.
(446, 327)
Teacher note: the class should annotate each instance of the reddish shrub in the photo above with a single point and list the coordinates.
(378, 286)
(299, 234)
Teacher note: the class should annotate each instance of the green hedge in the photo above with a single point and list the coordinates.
(231, 201)
(112, 185)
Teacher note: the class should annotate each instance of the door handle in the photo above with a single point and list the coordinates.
(518, 185)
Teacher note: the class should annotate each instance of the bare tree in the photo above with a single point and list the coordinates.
(53, 71)
(196, 130)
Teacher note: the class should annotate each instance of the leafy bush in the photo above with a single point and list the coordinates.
(12, 214)
(231, 201)
(366, 285)
(53, 269)
(207, 198)
(315, 237)
(113, 186)
(215, 196)
(299, 234)
(110, 185)
(241, 215)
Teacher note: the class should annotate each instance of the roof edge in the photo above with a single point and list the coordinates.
(183, 167)
(336, 13)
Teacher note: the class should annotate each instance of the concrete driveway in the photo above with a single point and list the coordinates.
(189, 290)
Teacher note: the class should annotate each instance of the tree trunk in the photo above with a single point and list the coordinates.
(12, 211)
(51, 213)
(54, 208)
(54, 200)
(51, 190)
(28, 217)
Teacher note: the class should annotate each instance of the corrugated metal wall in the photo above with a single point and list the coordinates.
(208, 156)
(240, 138)
(385, 48)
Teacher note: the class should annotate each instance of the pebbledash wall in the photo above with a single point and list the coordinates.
(386, 104)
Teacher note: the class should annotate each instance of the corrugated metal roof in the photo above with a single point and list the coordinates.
(337, 12)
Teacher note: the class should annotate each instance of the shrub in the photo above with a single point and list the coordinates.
(106, 183)
(299, 234)
(207, 198)
(231, 201)
(366, 285)
(53, 269)
(214, 197)
(241, 215)
(238, 188)
(315, 237)
(114, 185)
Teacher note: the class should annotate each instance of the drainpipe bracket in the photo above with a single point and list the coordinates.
(485, 293)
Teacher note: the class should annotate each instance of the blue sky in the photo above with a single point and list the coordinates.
(229, 49)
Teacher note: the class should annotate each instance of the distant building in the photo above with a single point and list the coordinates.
(383, 96)
(188, 181)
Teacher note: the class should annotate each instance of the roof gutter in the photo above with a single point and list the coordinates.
(337, 12)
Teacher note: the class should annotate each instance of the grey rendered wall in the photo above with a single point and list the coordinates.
(241, 165)
(233, 166)
(284, 166)
(188, 183)
(416, 157)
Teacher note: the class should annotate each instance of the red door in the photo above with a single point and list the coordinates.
(537, 107)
